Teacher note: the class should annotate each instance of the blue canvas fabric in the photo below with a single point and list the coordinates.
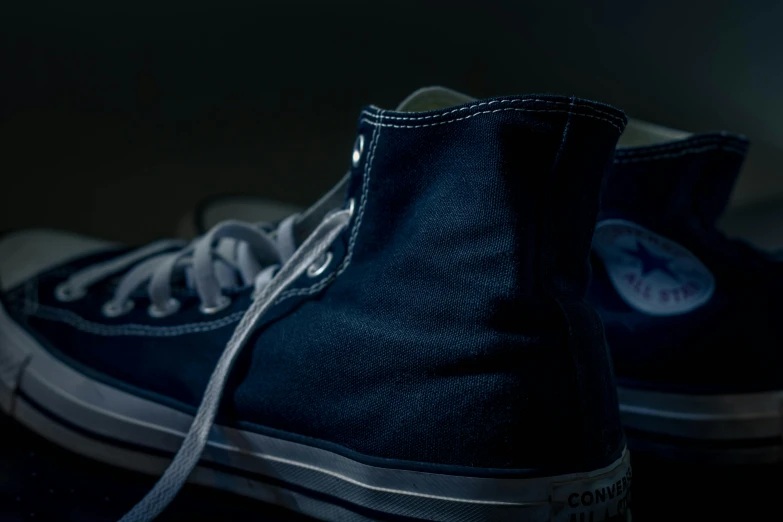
(450, 329)
(678, 190)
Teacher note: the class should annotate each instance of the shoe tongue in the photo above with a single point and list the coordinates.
(432, 99)
(667, 175)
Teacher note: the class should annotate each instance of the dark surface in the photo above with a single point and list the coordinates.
(41, 482)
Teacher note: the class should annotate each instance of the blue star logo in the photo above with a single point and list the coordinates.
(651, 262)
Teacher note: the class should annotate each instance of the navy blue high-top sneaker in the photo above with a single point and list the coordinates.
(421, 352)
(692, 318)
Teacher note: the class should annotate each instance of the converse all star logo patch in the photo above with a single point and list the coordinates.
(654, 275)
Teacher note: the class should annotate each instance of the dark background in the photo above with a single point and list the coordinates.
(117, 118)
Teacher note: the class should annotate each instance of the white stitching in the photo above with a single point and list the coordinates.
(683, 152)
(354, 232)
(80, 323)
(138, 330)
(482, 104)
(491, 112)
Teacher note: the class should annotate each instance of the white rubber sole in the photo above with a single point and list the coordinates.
(113, 426)
(732, 429)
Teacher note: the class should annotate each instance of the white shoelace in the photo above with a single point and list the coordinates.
(192, 447)
(231, 250)
(269, 283)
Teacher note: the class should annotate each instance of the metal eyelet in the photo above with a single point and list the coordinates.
(221, 304)
(64, 292)
(358, 149)
(171, 307)
(320, 265)
(112, 309)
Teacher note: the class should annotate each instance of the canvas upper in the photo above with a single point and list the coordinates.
(686, 309)
(448, 329)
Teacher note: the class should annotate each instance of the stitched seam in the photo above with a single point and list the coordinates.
(78, 322)
(544, 232)
(354, 232)
(688, 144)
(483, 104)
(678, 154)
(379, 124)
(138, 330)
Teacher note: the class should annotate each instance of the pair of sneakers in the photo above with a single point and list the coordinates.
(690, 315)
(418, 343)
